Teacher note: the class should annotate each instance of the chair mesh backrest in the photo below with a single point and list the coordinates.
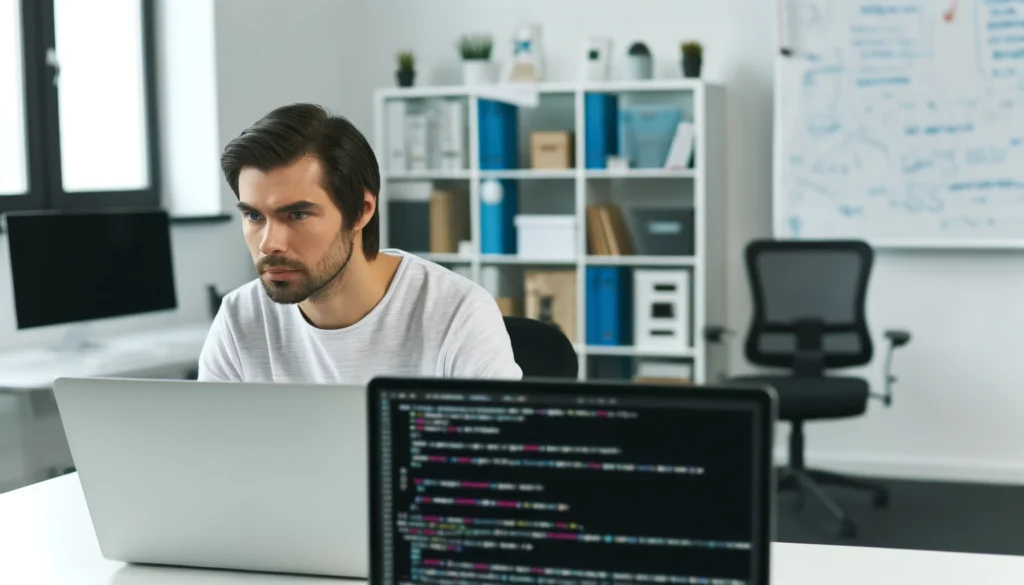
(541, 350)
(809, 280)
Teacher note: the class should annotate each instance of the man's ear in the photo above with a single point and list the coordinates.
(369, 208)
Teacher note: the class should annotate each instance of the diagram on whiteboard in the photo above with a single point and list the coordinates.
(901, 120)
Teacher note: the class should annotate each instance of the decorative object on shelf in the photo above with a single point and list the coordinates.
(406, 73)
(527, 60)
(639, 63)
(693, 56)
(551, 150)
(476, 59)
(597, 59)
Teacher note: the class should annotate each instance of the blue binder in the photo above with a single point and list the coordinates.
(499, 135)
(601, 119)
(497, 218)
(593, 305)
(614, 307)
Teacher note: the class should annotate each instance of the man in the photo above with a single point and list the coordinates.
(328, 306)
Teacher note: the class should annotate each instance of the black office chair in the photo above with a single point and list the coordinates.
(809, 318)
(540, 349)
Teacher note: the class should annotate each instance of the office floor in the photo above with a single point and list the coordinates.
(959, 517)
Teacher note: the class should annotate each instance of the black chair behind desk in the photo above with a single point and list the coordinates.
(809, 317)
(540, 349)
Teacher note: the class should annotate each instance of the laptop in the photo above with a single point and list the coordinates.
(565, 482)
(257, 477)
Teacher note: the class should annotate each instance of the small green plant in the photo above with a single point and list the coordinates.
(406, 61)
(475, 47)
(692, 50)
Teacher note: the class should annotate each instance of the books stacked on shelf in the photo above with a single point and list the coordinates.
(607, 231)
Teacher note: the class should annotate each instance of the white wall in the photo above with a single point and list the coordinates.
(960, 400)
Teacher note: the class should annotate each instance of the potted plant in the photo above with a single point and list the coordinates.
(641, 65)
(476, 59)
(406, 73)
(693, 54)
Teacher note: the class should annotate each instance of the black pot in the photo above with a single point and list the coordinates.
(405, 77)
(691, 66)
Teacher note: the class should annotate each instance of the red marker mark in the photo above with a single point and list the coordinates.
(950, 14)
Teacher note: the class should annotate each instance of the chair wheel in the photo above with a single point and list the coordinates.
(847, 529)
(881, 500)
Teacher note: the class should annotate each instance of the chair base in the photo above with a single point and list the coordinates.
(810, 481)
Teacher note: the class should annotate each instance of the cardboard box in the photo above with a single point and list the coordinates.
(551, 150)
(551, 297)
(449, 221)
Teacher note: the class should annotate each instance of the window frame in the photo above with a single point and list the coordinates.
(42, 122)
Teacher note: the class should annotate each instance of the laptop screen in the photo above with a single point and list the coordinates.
(565, 484)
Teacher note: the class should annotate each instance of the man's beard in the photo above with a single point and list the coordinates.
(316, 283)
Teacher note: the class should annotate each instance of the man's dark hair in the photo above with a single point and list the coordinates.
(291, 132)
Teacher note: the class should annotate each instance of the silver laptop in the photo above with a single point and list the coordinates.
(259, 477)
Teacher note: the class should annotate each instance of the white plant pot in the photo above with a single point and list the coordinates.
(477, 72)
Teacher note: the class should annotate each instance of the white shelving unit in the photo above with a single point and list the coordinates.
(706, 183)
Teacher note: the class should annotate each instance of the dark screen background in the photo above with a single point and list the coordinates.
(714, 506)
(83, 266)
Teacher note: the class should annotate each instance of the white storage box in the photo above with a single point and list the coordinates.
(546, 237)
(661, 320)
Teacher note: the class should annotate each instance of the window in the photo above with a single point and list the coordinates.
(77, 116)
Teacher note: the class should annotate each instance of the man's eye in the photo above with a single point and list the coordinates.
(253, 216)
(299, 215)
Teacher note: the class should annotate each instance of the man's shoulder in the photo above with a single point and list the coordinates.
(440, 282)
(245, 302)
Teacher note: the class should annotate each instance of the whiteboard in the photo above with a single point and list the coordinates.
(900, 122)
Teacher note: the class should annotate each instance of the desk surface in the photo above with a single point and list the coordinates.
(46, 537)
(117, 355)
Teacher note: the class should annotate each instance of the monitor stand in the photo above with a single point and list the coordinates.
(76, 340)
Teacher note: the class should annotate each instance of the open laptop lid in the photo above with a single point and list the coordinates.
(258, 477)
(544, 482)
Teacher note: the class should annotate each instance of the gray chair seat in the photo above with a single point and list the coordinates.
(811, 398)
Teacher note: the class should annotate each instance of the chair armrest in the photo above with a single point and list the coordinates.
(717, 333)
(897, 337)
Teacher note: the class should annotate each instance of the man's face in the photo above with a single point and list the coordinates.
(293, 230)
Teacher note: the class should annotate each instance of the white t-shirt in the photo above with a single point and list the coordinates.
(431, 322)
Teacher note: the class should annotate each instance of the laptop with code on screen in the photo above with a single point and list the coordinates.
(564, 483)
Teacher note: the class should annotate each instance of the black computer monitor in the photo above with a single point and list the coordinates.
(537, 483)
(80, 266)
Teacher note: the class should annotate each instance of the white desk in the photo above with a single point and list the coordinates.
(46, 537)
(28, 375)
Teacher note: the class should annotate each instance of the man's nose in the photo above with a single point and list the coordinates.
(275, 239)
